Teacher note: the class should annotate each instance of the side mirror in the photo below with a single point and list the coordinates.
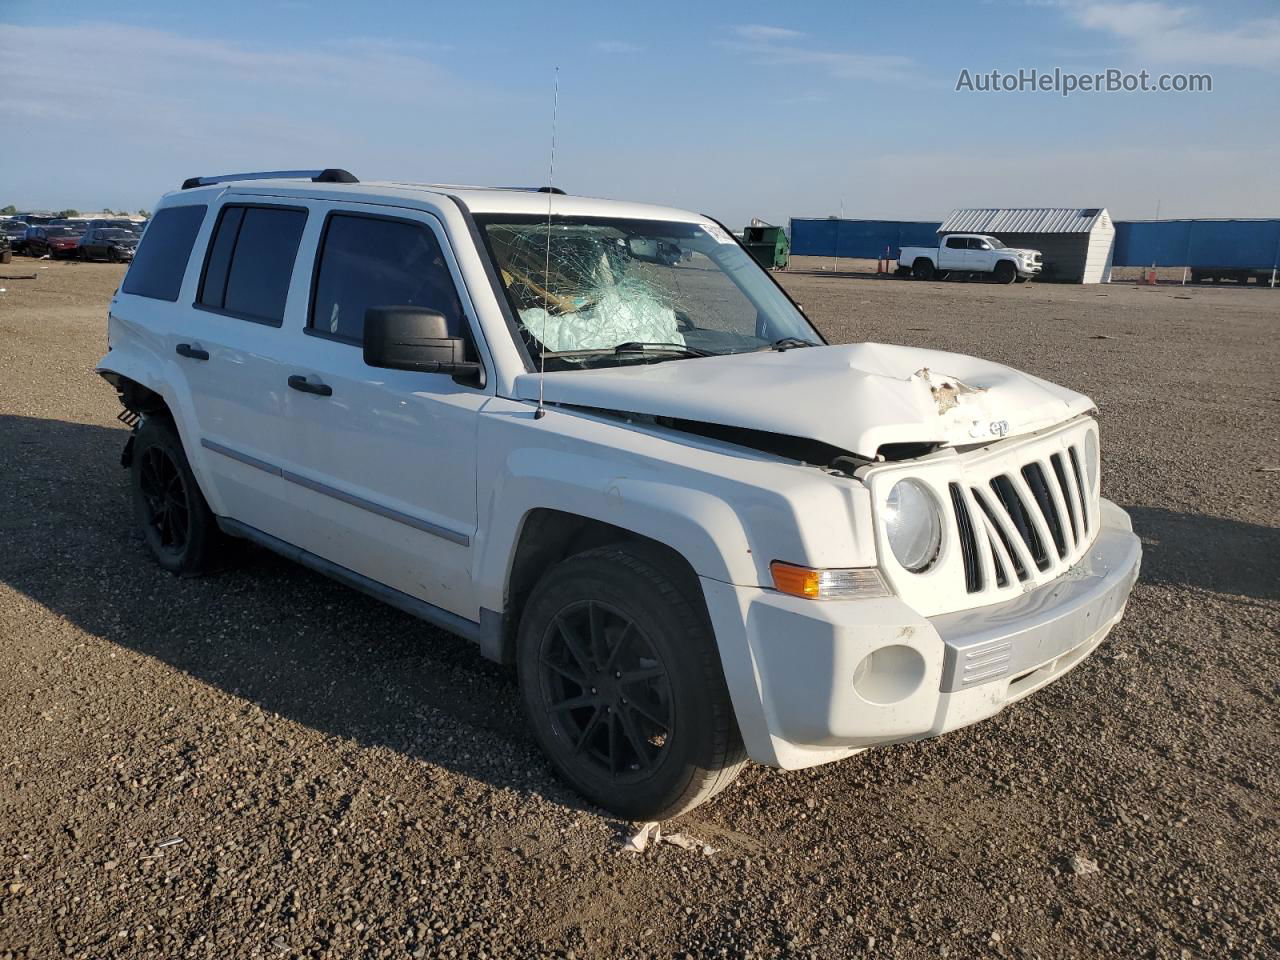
(413, 338)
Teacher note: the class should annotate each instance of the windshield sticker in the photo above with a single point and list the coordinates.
(717, 232)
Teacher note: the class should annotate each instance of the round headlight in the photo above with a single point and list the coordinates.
(1091, 461)
(913, 523)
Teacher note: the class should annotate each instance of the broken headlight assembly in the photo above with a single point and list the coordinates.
(913, 525)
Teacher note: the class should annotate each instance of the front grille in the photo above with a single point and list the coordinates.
(1018, 513)
(1034, 518)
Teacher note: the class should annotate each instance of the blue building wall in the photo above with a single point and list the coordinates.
(1198, 243)
(1140, 243)
(864, 239)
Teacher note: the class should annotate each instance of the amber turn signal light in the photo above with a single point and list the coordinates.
(840, 584)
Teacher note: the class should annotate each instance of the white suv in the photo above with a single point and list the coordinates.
(600, 441)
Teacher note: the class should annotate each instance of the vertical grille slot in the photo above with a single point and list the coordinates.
(1033, 474)
(1084, 491)
(1021, 517)
(1018, 569)
(1002, 578)
(968, 541)
(1060, 472)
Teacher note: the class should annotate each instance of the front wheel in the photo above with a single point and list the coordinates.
(175, 520)
(1005, 272)
(622, 684)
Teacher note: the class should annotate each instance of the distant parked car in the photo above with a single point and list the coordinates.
(113, 244)
(15, 231)
(121, 222)
(55, 241)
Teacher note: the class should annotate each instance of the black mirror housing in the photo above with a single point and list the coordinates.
(417, 339)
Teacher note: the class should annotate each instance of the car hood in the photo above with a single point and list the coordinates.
(857, 397)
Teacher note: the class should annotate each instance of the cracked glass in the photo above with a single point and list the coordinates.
(582, 287)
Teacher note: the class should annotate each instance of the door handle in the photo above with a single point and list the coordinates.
(190, 352)
(299, 382)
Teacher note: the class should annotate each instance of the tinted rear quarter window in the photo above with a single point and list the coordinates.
(161, 260)
(250, 262)
(366, 262)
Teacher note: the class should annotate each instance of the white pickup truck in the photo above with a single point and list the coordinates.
(599, 440)
(970, 253)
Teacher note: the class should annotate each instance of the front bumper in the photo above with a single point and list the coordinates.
(815, 681)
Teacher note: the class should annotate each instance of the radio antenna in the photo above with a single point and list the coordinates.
(546, 270)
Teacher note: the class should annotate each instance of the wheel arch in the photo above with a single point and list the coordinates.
(548, 536)
(144, 393)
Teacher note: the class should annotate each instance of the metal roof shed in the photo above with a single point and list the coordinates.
(1077, 243)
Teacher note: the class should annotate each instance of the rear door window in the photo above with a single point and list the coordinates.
(161, 260)
(378, 262)
(250, 261)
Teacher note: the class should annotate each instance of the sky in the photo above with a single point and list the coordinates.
(735, 109)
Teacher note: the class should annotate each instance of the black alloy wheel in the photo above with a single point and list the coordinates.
(621, 681)
(170, 508)
(606, 690)
(166, 501)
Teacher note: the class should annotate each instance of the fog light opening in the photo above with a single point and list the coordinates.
(889, 674)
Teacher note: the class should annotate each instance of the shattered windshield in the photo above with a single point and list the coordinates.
(659, 290)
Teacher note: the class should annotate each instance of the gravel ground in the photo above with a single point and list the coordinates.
(264, 764)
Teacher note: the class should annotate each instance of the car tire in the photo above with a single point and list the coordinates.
(922, 269)
(84, 255)
(1005, 272)
(622, 683)
(175, 520)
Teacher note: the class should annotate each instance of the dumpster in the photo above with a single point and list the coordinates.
(769, 245)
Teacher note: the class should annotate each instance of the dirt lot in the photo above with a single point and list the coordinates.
(262, 763)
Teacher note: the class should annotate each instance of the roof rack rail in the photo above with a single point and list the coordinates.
(327, 175)
(555, 190)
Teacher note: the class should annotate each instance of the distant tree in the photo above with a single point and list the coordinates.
(146, 214)
(63, 214)
(8, 211)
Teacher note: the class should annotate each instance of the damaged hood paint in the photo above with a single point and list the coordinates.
(857, 397)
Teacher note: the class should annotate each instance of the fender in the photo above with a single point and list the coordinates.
(701, 527)
(130, 356)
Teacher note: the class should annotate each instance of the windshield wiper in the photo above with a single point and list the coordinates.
(674, 351)
(789, 343)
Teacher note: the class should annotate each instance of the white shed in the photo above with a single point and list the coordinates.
(1077, 243)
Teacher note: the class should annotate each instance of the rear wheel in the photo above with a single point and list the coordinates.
(171, 511)
(1005, 272)
(922, 269)
(622, 683)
